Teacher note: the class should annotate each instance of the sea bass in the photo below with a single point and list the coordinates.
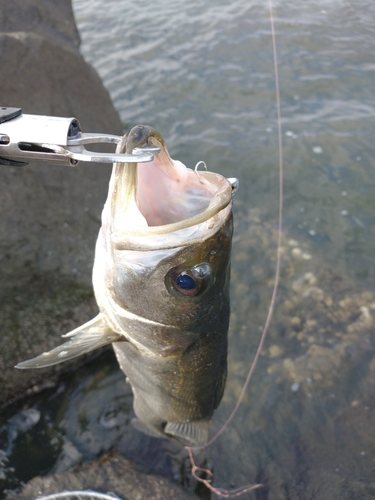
(161, 281)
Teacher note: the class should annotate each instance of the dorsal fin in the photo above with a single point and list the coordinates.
(91, 335)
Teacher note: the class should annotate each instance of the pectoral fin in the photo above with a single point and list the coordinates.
(189, 433)
(92, 335)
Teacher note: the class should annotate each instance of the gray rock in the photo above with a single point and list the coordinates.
(50, 214)
(32, 319)
(112, 473)
(52, 20)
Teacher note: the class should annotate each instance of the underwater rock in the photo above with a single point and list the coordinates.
(333, 460)
(307, 416)
(112, 473)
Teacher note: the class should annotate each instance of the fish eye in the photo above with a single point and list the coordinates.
(189, 282)
(185, 282)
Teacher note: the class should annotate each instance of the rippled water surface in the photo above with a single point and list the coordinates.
(202, 74)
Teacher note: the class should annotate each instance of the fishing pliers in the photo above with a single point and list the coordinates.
(24, 138)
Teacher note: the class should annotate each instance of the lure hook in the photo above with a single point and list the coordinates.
(197, 167)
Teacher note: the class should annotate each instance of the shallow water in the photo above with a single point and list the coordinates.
(202, 74)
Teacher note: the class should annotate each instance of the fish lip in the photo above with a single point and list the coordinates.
(141, 136)
(169, 236)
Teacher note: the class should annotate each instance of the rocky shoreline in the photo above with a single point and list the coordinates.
(50, 214)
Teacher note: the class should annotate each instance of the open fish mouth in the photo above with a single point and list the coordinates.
(163, 199)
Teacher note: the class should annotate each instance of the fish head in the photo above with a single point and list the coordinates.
(163, 256)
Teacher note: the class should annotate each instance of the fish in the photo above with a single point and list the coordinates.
(161, 280)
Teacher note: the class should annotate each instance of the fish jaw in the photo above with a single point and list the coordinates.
(165, 191)
(168, 192)
(158, 198)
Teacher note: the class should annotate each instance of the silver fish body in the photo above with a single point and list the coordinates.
(161, 280)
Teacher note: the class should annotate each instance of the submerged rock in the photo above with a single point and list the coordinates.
(112, 473)
(307, 417)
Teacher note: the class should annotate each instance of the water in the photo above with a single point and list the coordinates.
(202, 74)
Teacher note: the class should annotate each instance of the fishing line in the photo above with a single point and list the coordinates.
(239, 491)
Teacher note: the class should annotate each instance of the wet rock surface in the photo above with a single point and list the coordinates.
(29, 327)
(53, 21)
(123, 478)
(50, 214)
